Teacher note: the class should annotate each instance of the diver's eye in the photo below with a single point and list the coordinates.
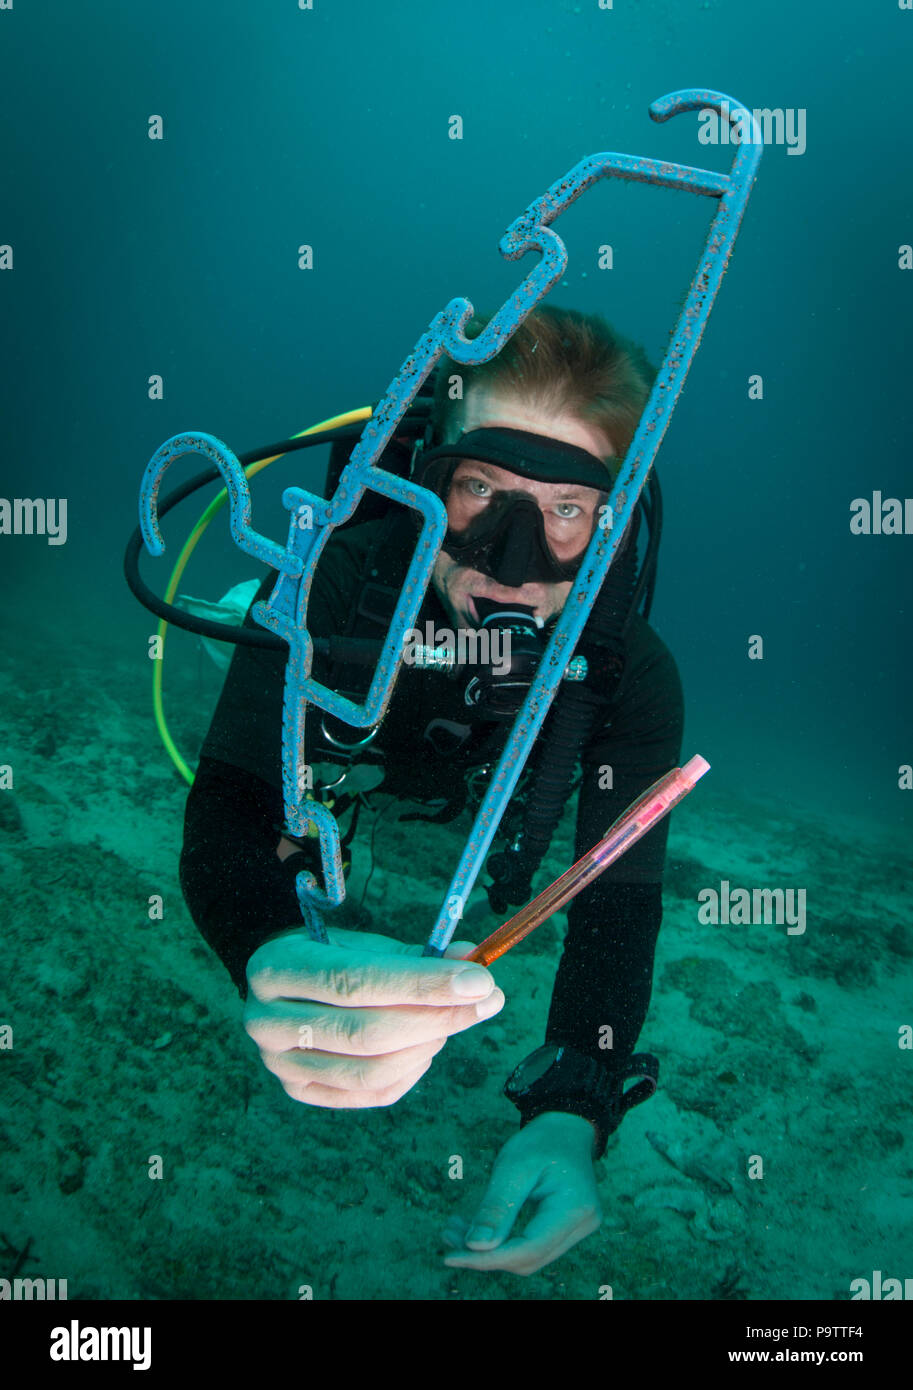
(567, 511)
(476, 487)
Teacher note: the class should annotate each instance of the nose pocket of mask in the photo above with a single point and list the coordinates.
(508, 544)
(517, 549)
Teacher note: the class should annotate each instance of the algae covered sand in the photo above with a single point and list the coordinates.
(149, 1155)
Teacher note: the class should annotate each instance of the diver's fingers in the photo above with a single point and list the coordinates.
(552, 1231)
(510, 1185)
(459, 950)
(334, 1098)
(305, 1067)
(279, 1026)
(292, 966)
(455, 1232)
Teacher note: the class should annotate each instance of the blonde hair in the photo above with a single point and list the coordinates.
(560, 361)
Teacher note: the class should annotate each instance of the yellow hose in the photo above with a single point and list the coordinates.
(348, 418)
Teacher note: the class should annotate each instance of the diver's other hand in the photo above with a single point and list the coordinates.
(356, 1023)
(549, 1162)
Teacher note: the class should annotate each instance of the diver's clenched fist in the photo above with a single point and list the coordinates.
(357, 1022)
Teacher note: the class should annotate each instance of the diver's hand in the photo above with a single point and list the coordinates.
(550, 1162)
(357, 1022)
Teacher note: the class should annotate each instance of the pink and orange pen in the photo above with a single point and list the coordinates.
(640, 817)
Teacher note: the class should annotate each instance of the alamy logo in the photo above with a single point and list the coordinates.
(466, 647)
(751, 907)
(39, 516)
(883, 516)
(75, 1343)
(881, 1288)
(776, 127)
(32, 1290)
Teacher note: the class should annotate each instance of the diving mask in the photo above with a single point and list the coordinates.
(505, 535)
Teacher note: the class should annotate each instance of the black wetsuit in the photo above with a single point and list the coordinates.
(239, 892)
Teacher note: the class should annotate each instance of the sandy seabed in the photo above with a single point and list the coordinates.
(128, 1044)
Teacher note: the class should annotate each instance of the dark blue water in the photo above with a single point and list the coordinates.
(330, 127)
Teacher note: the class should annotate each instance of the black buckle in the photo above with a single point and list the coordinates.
(645, 1067)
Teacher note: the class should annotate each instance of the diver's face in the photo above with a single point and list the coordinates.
(568, 509)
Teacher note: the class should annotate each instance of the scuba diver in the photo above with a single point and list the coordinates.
(523, 450)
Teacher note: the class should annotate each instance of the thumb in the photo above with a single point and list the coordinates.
(459, 950)
(510, 1185)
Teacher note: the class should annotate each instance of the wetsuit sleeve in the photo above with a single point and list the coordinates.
(604, 979)
(246, 729)
(237, 889)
